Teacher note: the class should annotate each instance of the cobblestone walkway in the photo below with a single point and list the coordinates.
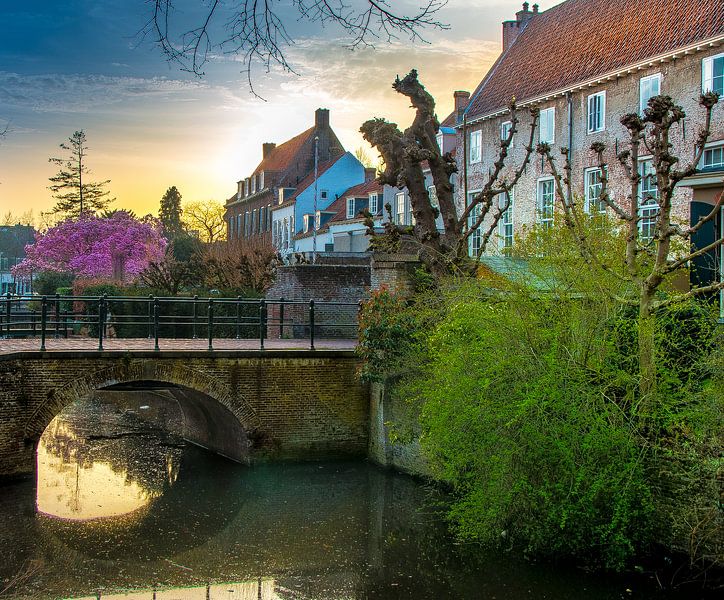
(11, 346)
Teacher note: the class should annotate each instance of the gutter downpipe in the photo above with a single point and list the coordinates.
(569, 101)
(465, 162)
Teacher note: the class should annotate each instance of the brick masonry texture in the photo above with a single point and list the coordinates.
(322, 283)
(680, 79)
(303, 405)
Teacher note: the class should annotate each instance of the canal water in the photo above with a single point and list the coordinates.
(124, 509)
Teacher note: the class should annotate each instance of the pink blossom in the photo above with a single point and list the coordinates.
(118, 246)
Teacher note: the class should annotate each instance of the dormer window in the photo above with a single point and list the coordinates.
(247, 187)
(350, 208)
(374, 203)
(439, 138)
(253, 184)
(240, 188)
(261, 180)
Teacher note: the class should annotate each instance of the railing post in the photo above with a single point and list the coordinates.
(262, 322)
(57, 316)
(238, 317)
(156, 311)
(311, 324)
(33, 324)
(7, 313)
(196, 317)
(101, 320)
(150, 316)
(211, 324)
(43, 321)
(281, 317)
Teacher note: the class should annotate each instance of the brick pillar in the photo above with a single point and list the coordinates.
(394, 271)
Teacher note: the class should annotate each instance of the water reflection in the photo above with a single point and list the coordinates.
(247, 590)
(322, 531)
(83, 476)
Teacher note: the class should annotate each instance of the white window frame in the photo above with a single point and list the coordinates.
(547, 134)
(711, 147)
(649, 212)
(253, 184)
(350, 208)
(590, 198)
(505, 225)
(374, 206)
(323, 194)
(440, 141)
(707, 73)
(477, 156)
(505, 128)
(432, 195)
(542, 217)
(596, 127)
(476, 238)
(643, 82)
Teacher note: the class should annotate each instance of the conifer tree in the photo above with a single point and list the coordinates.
(170, 212)
(71, 186)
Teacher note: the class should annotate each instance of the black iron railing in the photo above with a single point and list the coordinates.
(160, 318)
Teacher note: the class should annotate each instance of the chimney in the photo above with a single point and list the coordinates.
(461, 101)
(266, 148)
(370, 174)
(511, 29)
(321, 118)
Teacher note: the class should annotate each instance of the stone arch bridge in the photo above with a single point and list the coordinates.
(244, 404)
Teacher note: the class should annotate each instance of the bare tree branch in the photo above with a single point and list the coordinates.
(256, 30)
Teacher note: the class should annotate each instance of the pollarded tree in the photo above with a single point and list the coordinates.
(71, 185)
(170, 211)
(404, 155)
(654, 255)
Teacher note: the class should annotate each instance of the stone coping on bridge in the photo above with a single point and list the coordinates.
(9, 347)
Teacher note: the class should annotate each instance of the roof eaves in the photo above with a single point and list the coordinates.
(599, 79)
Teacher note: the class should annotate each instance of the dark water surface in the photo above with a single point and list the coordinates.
(122, 509)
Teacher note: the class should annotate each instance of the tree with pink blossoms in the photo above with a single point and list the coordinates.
(115, 247)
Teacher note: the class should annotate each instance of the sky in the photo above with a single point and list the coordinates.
(81, 64)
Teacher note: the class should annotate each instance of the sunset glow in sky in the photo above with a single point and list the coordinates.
(79, 64)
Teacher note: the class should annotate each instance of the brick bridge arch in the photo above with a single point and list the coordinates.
(293, 404)
(137, 371)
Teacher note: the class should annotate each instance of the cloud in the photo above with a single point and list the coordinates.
(57, 93)
(362, 78)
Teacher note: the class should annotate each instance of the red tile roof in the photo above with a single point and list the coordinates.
(280, 157)
(580, 40)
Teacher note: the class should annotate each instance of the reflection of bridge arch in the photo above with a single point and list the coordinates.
(207, 423)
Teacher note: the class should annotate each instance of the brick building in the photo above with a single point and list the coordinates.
(248, 211)
(586, 63)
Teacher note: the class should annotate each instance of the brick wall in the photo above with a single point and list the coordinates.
(321, 283)
(680, 79)
(303, 406)
(394, 271)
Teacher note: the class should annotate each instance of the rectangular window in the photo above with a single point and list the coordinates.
(261, 180)
(648, 88)
(246, 224)
(432, 195)
(505, 128)
(253, 184)
(350, 208)
(592, 182)
(474, 151)
(505, 225)
(239, 225)
(596, 112)
(713, 158)
(712, 74)
(374, 203)
(648, 200)
(323, 194)
(547, 131)
(268, 217)
(403, 213)
(476, 238)
(262, 219)
(439, 139)
(253, 221)
(546, 202)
